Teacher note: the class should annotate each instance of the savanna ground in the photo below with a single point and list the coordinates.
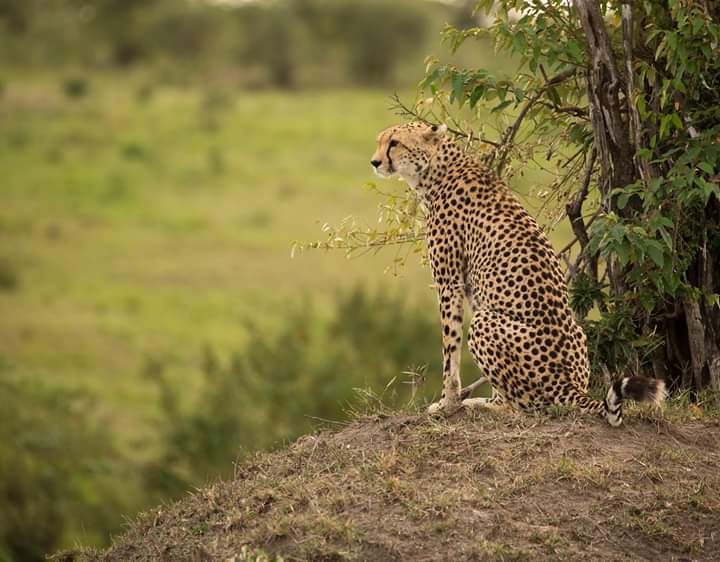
(494, 487)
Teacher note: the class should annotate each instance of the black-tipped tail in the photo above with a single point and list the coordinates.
(640, 389)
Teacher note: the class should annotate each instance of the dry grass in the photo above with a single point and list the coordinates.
(493, 487)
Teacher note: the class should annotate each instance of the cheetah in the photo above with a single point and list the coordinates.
(484, 247)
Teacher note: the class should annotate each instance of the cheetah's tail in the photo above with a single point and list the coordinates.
(640, 389)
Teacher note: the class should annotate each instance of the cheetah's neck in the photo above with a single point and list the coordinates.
(447, 157)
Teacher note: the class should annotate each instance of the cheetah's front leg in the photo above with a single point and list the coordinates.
(451, 315)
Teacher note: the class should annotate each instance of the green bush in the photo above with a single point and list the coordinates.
(57, 468)
(76, 87)
(8, 276)
(277, 44)
(270, 40)
(61, 475)
(379, 35)
(278, 386)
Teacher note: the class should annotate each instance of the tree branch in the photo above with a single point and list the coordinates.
(574, 110)
(574, 208)
(512, 130)
(579, 227)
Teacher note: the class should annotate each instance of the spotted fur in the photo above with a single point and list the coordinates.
(486, 249)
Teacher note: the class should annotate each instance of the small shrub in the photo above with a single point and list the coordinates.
(76, 87)
(8, 276)
(216, 161)
(276, 386)
(53, 231)
(133, 150)
(145, 93)
(56, 468)
(19, 138)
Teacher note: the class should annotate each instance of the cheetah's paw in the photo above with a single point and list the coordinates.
(443, 408)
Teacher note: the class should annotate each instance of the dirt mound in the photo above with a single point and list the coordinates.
(496, 487)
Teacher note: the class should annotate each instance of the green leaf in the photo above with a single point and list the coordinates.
(622, 200)
(518, 42)
(617, 232)
(691, 153)
(650, 75)
(622, 251)
(672, 41)
(677, 121)
(553, 95)
(431, 78)
(477, 93)
(647, 301)
(666, 237)
(713, 299)
(501, 106)
(665, 121)
(706, 167)
(458, 84)
(655, 251)
(659, 221)
(502, 90)
(707, 188)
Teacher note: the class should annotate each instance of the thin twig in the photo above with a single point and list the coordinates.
(512, 130)
(574, 110)
(572, 242)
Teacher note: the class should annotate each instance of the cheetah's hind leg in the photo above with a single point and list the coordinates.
(467, 392)
(436, 408)
(495, 400)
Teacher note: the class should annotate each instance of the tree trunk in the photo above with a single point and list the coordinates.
(610, 130)
(691, 333)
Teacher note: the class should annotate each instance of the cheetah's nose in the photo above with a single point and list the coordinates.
(375, 163)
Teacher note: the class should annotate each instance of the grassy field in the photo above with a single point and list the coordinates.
(141, 221)
(139, 225)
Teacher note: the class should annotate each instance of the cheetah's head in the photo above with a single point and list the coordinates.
(406, 150)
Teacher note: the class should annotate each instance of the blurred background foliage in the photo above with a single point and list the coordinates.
(158, 159)
(287, 43)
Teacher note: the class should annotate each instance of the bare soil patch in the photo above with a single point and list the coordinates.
(493, 487)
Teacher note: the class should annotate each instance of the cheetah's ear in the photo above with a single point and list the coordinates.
(436, 132)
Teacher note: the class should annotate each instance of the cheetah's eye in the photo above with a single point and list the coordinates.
(393, 143)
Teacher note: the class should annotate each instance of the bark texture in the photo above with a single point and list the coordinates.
(689, 326)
